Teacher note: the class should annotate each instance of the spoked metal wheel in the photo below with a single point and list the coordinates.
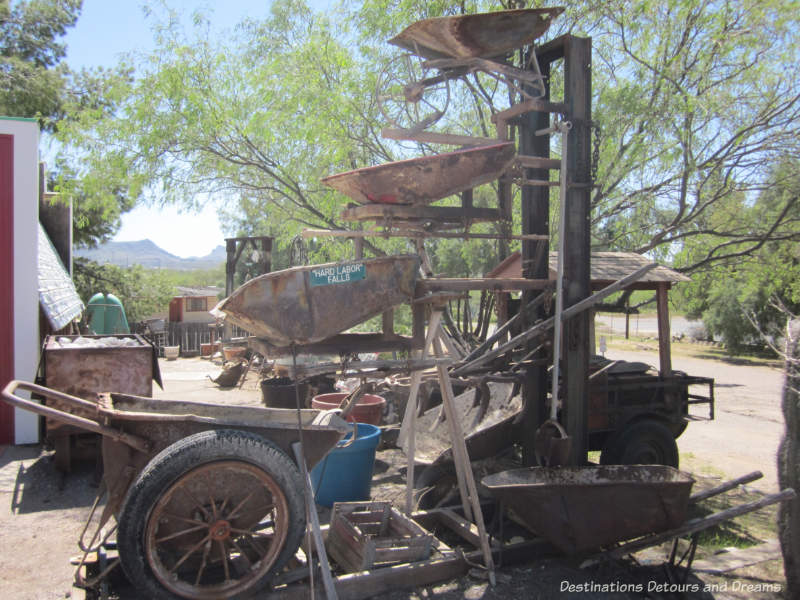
(216, 530)
(411, 97)
(214, 517)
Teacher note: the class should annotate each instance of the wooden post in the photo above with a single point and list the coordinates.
(627, 317)
(535, 220)
(56, 218)
(230, 265)
(266, 255)
(462, 463)
(788, 461)
(664, 348)
(577, 284)
(406, 439)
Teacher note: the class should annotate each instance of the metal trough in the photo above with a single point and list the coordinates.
(425, 179)
(585, 508)
(304, 305)
(484, 35)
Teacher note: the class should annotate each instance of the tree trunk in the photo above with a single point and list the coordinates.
(789, 463)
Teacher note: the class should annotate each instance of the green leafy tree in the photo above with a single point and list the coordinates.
(34, 78)
(745, 297)
(691, 109)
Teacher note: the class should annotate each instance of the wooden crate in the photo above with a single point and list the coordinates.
(365, 535)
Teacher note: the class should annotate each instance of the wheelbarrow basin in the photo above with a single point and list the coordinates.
(585, 508)
(309, 304)
(163, 422)
(484, 35)
(425, 179)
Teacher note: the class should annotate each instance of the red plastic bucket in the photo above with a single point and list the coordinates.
(369, 408)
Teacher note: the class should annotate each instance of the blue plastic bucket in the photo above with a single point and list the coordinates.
(345, 474)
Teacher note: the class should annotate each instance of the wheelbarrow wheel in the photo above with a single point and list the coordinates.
(214, 515)
(646, 442)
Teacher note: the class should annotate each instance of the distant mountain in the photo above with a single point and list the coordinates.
(148, 254)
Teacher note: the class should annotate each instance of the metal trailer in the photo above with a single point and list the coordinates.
(635, 416)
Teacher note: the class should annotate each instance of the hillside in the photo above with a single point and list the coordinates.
(148, 254)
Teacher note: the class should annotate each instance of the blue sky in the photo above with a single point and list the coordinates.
(108, 29)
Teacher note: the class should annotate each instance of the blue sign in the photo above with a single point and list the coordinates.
(338, 274)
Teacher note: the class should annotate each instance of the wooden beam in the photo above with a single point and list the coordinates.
(338, 344)
(443, 214)
(577, 254)
(552, 51)
(370, 584)
(535, 209)
(442, 284)
(460, 455)
(529, 106)
(537, 162)
(406, 439)
(432, 137)
(458, 235)
(357, 368)
(544, 326)
(536, 182)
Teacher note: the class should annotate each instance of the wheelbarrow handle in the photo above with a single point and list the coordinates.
(9, 397)
(352, 439)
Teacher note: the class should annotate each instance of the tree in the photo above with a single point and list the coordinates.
(742, 297)
(691, 109)
(143, 292)
(34, 80)
(693, 106)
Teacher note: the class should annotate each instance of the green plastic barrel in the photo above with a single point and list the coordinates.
(106, 315)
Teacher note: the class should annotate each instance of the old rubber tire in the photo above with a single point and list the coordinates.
(214, 515)
(642, 443)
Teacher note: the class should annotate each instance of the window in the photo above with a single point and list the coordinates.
(196, 304)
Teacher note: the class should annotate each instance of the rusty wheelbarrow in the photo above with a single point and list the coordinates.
(309, 304)
(584, 509)
(425, 179)
(580, 508)
(414, 95)
(207, 500)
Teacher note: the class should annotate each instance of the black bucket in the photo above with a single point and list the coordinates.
(278, 392)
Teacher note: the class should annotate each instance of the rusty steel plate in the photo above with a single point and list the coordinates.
(425, 179)
(585, 508)
(309, 304)
(484, 35)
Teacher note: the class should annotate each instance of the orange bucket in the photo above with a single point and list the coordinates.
(369, 408)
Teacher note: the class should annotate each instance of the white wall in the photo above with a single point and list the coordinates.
(26, 283)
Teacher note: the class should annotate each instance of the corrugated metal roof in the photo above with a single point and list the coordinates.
(605, 267)
(57, 295)
(193, 292)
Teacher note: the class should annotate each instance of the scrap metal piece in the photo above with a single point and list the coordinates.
(484, 35)
(425, 179)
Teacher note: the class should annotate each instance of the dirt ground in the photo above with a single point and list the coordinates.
(43, 512)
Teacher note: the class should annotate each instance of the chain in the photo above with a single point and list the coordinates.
(595, 151)
(298, 252)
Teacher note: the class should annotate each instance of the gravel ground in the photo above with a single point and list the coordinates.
(42, 512)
